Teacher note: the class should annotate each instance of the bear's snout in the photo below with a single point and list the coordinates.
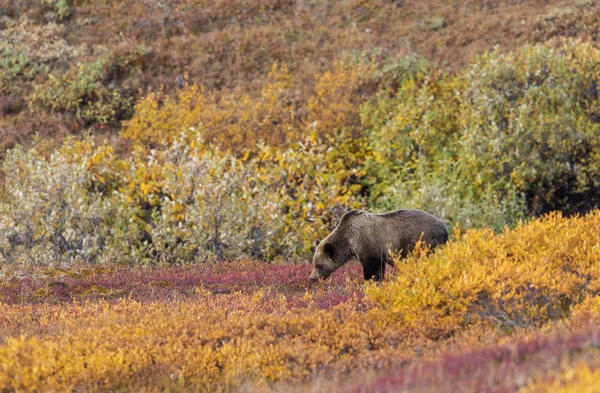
(315, 275)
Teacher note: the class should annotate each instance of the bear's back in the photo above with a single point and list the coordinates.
(403, 228)
(413, 224)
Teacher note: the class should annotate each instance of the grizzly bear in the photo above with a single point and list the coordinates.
(369, 237)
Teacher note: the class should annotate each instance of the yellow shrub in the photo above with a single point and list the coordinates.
(154, 123)
(234, 121)
(213, 343)
(237, 122)
(336, 101)
(313, 190)
(578, 378)
(521, 277)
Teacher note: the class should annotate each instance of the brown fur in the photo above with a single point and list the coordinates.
(369, 237)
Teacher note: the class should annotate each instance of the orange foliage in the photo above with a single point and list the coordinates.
(237, 122)
(522, 277)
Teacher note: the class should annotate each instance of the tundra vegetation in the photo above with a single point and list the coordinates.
(165, 170)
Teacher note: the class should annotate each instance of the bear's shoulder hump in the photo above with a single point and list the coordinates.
(350, 215)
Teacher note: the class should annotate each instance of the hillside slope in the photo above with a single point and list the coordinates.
(116, 52)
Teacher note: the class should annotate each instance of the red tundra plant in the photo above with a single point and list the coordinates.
(151, 284)
(496, 369)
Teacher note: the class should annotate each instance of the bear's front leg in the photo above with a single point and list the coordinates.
(374, 268)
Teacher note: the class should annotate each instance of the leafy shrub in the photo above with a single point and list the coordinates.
(578, 19)
(40, 43)
(211, 342)
(155, 125)
(12, 64)
(315, 184)
(533, 122)
(234, 121)
(48, 214)
(576, 378)
(62, 8)
(211, 207)
(27, 49)
(522, 277)
(94, 92)
(412, 134)
(512, 135)
(176, 205)
(81, 93)
(202, 203)
(237, 122)
(336, 101)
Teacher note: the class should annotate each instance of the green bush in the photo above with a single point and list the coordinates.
(80, 91)
(512, 135)
(578, 19)
(60, 7)
(12, 64)
(532, 119)
(27, 49)
(49, 216)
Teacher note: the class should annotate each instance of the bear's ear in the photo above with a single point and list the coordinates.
(316, 242)
(328, 249)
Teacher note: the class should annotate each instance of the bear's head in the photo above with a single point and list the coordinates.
(326, 260)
